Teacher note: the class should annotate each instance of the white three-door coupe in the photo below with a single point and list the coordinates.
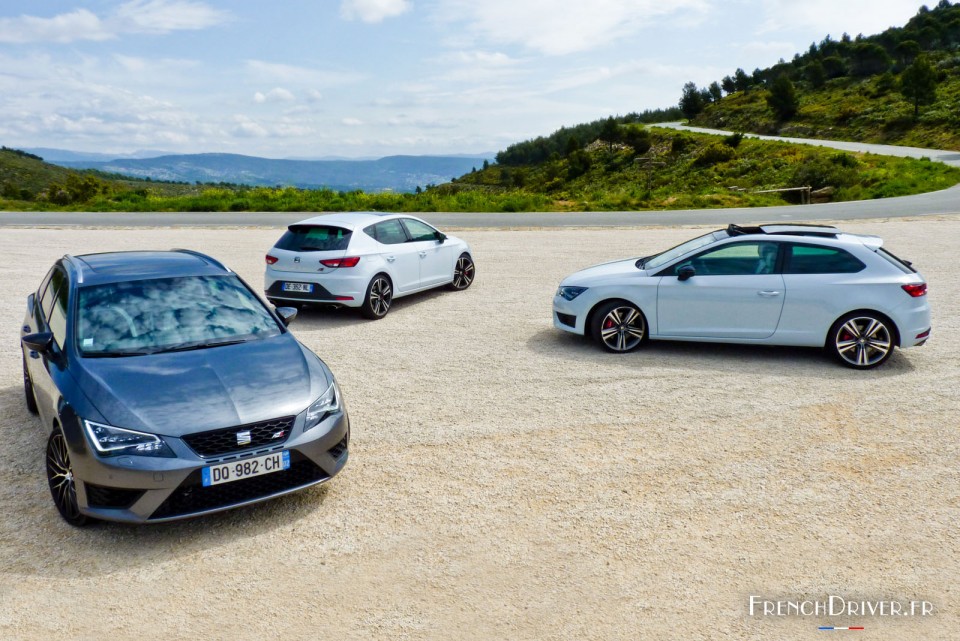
(363, 260)
(773, 284)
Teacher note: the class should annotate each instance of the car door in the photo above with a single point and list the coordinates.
(401, 256)
(736, 291)
(45, 369)
(436, 264)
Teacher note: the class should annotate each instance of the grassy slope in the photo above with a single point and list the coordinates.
(862, 110)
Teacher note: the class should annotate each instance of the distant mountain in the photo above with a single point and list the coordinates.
(65, 155)
(393, 173)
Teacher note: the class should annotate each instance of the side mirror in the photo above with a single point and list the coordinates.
(440, 236)
(287, 314)
(686, 272)
(40, 342)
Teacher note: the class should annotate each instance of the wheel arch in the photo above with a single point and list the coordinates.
(865, 310)
(613, 299)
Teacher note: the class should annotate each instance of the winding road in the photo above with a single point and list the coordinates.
(935, 203)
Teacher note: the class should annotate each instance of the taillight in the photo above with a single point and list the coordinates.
(271, 259)
(341, 262)
(916, 290)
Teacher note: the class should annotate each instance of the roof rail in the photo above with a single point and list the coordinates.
(67, 258)
(203, 257)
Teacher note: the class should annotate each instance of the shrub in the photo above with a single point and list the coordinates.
(714, 153)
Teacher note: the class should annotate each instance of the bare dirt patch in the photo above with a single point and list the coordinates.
(510, 481)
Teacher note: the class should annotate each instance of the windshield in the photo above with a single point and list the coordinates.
(168, 314)
(658, 260)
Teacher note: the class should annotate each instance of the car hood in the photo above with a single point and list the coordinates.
(180, 393)
(591, 275)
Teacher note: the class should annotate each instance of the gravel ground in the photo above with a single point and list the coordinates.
(509, 481)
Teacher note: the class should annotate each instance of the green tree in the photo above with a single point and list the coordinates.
(868, 59)
(918, 84)
(782, 98)
(816, 74)
(691, 102)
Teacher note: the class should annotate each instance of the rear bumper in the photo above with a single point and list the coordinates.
(340, 289)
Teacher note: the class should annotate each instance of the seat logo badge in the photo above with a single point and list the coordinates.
(279, 434)
(243, 438)
(296, 259)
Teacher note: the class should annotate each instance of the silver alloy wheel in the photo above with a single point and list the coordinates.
(463, 272)
(622, 328)
(60, 477)
(863, 341)
(381, 295)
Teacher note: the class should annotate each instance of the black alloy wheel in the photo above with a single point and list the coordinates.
(463, 272)
(63, 487)
(619, 327)
(861, 340)
(379, 296)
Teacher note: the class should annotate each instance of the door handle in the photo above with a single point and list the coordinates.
(390, 259)
(25, 329)
(768, 293)
(34, 354)
(423, 254)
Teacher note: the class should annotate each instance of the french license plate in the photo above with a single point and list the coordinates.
(298, 287)
(246, 468)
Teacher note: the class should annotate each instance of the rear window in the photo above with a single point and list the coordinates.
(899, 263)
(810, 259)
(314, 238)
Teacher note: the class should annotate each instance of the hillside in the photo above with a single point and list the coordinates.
(898, 87)
(393, 173)
(631, 167)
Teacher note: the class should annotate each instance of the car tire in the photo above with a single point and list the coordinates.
(28, 394)
(63, 487)
(378, 298)
(463, 272)
(618, 326)
(862, 340)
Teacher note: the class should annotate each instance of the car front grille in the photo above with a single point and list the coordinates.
(192, 497)
(234, 439)
(111, 497)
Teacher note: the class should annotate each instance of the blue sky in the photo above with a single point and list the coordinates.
(367, 78)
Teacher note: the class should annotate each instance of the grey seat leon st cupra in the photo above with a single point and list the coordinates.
(170, 390)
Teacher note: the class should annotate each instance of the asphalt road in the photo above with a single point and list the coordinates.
(930, 204)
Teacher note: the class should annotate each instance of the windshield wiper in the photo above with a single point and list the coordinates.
(186, 347)
(114, 354)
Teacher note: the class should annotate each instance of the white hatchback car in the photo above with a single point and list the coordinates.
(798, 285)
(363, 260)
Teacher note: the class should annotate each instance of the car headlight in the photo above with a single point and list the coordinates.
(328, 403)
(570, 293)
(115, 441)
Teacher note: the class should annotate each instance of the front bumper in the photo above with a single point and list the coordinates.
(142, 489)
(568, 316)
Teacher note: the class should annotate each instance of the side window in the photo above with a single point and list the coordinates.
(813, 259)
(57, 319)
(390, 232)
(57, 280)
(419, 231)
(737, 259)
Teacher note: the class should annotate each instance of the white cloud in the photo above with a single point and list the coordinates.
(834, 18)
(247, 128)
(352, 122)
(163, 16)
(137, 16)
(66, 27)
(373, 10)
(296, 75)
(277, 94)
(556, 27)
